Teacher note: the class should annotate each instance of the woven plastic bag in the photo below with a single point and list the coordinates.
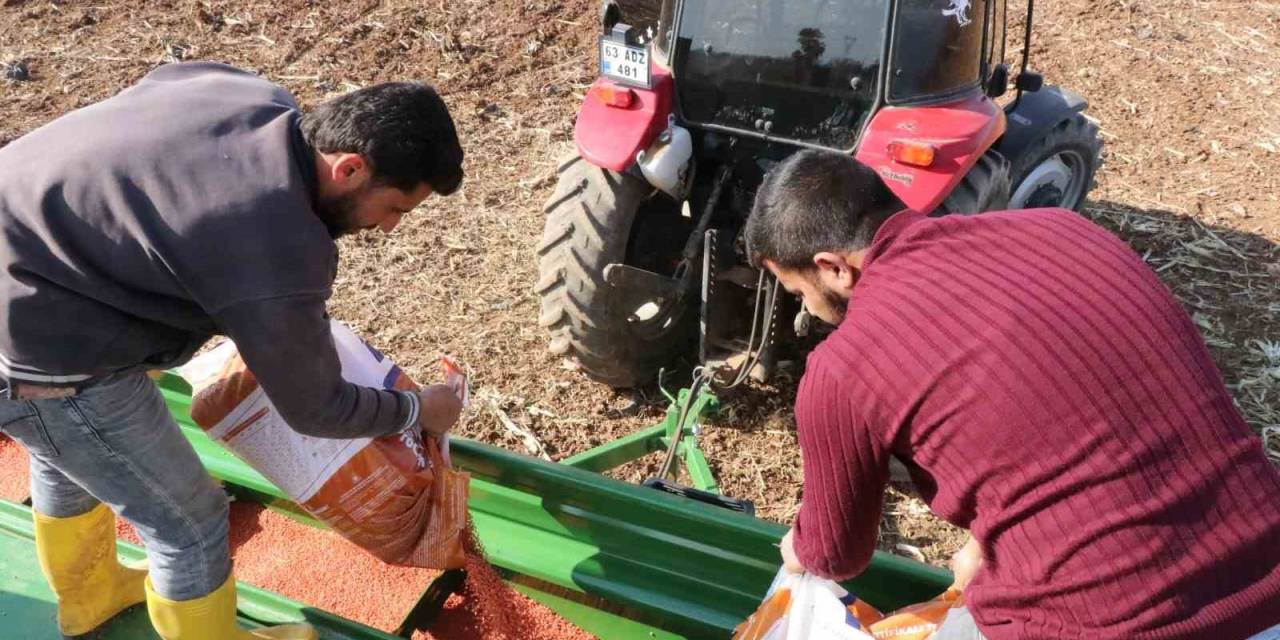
(800, 606)
(396, 497)
(804, 606)
(917, 621)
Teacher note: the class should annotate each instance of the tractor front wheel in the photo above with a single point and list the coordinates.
(1058, 170)
(595, 218)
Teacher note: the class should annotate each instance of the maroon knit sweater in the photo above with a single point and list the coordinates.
(1050, 395)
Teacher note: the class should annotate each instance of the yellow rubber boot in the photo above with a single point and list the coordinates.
(78, 557)
(213, 617)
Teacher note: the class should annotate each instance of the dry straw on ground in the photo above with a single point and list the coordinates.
(1185, 91)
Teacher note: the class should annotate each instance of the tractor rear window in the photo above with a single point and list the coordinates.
(802, 70)
(937, 47)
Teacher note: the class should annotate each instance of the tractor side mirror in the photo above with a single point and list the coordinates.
(1029, 81)
(998, 82)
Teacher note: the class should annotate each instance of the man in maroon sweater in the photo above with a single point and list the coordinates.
(1046, 392)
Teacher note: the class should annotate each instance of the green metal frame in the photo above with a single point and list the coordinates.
(28, 608)
(620, 560)
(659, 438)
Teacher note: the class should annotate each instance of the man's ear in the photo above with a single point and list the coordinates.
(349, 168)
(834, 271)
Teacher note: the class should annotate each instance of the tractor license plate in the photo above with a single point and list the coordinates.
(624, 63)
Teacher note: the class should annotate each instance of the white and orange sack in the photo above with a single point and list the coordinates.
(803, 606)
(397, 497)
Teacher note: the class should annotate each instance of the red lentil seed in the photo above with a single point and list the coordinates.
(319, 568)
(15, 471)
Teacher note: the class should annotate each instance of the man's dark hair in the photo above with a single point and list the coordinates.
(817, 201)
(403, 130)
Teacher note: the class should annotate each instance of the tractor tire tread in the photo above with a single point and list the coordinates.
(1079, 127)
(984, 188)
(589, 218)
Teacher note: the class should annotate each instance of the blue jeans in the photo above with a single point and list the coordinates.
(1270, 634)
(116, 443)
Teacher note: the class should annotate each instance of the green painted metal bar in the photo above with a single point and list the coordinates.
(657, 438)
(702, 568)
(591, 619)
(619, 452)
(705, 405)
(28, 608)
(693, 409)
(670, 564)
(696, 463)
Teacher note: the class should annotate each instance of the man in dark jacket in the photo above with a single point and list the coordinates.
(1046, 392)
(200, 201)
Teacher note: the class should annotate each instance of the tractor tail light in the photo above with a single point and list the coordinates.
(914, 153)
(614, 95)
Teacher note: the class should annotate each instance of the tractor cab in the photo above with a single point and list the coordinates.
(641, 263)
(812, 72)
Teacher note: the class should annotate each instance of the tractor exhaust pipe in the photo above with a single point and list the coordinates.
(1027, 82)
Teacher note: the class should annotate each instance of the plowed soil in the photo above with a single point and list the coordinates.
(1186, 93)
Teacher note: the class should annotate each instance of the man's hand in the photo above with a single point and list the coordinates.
(965, 564)
(789, 560)
(440, 409)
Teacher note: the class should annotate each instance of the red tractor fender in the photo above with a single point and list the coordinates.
(609, 136)
(960, 132)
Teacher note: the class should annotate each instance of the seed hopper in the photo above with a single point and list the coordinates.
(621, 561)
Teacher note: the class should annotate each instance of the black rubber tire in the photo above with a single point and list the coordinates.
(1077, 135)
(589, 225)
(984, 188)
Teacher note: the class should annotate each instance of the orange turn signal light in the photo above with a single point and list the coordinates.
(614, 95)
(912, 152)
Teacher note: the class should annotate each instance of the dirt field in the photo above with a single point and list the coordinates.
(1186, 92)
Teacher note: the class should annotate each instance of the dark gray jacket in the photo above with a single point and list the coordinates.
(133, 229)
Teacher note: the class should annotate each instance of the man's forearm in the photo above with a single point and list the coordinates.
(288, 345)
(345, 411)
(833, 543)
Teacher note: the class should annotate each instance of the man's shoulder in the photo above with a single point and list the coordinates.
(892, 328)
(1017, 221)
(928, 227)
(836, 357)
(215, 76)
(1038, 218)
(269, 246)
(837, 382)
(931, 251)
(198, 68)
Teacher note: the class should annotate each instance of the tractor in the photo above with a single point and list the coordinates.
(642, 259)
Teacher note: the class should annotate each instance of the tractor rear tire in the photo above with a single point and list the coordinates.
(984, 188)
(591, 223)
(1058, 170)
